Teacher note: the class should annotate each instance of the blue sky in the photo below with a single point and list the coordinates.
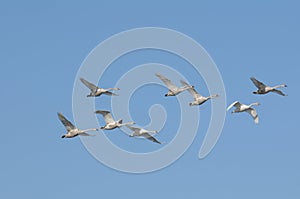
(43, 45)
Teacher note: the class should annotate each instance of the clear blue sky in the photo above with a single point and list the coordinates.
(43, 45)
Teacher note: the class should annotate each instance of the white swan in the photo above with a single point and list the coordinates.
(198, 99)
(110, 122)
(142, 132)
(72, 131)
(263, 89)
(96, 91)
(173, 90)
(248, 108)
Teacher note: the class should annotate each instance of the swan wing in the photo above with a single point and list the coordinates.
(254, 114)
(234, 104)
(88, 84)
(150, 137)
(110, 93)
(191, 90)
(257, 83)
(278, 92)
(166, 81)
(85, 134)
(107, 116)
(68, 125)
(133, 128)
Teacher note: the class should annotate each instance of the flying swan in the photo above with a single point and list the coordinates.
(248, 108)
(263, 89)
(173, 90)
(198, 99)
(72, 131)
(96, 91)
(142, 132)
(110, 122)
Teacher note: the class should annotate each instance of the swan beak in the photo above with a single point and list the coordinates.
(63, 136)
(166, 95)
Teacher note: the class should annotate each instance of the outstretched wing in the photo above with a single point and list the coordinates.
(257, 83)
(235, 104)
(107, 116)
(150, 137)
(68, 125)
(110, 93)
(278, 92)
(91, 86)
(254, 115)
(133, 128)
(85, 134)
(191, 90)
(167, 82)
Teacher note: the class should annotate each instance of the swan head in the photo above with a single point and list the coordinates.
(170, 93)
(259, 92)
(120, 121)
(102, 127)
(63, 136)
(191, 104)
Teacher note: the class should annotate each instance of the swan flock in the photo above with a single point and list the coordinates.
(173, 90)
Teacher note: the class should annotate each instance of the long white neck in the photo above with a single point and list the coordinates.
(128, 123)
(213, 96)
(280, 86)
(87, 130)
(152, 131)
(254, 104)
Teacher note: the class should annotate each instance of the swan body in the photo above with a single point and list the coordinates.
(173, 90)
(245, 108)
(264, 89)
(138, 132)
(110, 122)
(96, 91)
(198, 99)
(72, 131)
